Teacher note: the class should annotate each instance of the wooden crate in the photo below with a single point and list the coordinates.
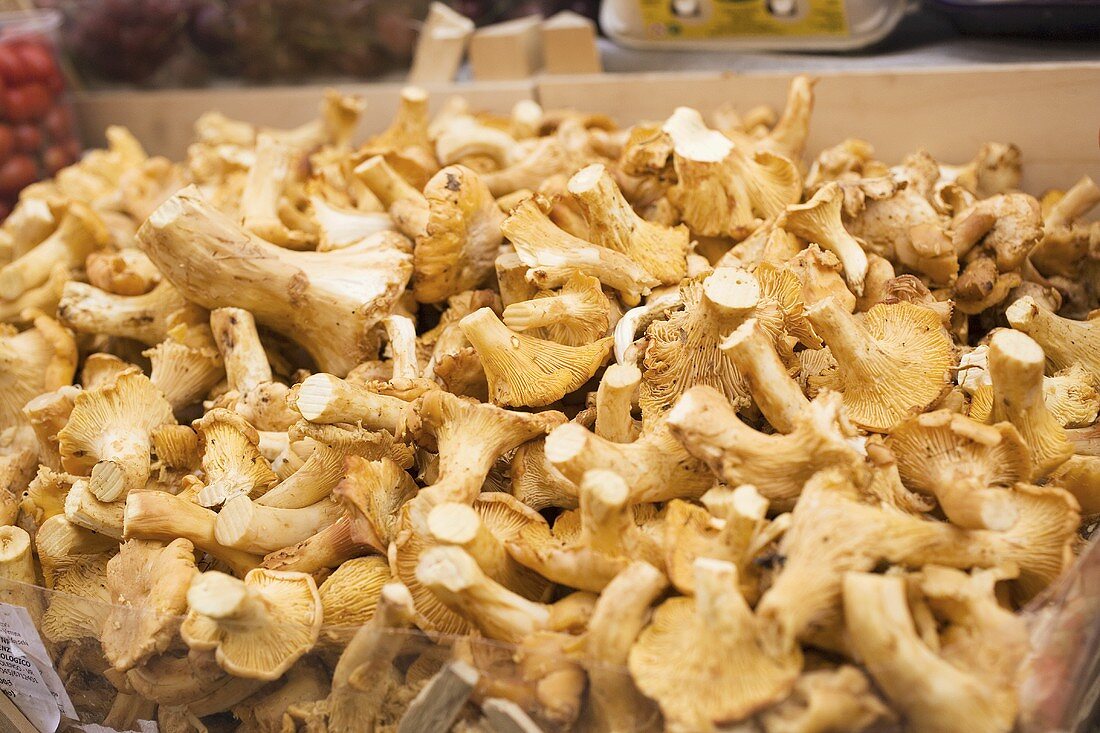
(1052, 111)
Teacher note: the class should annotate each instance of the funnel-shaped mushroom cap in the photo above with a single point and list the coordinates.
(328, 302)
(966, 465)
(896, 361)
(231, 459)
(953, 688)
(460, 246)
(526, 371)
(108, 434)
(1065, 342)
(725, 189)
(777, 465)
(38, 360)
(829, 699)
(185, 366)
(819, 221)
(258, 627)
(685, 349)
(589, 547)
(576, 315)
(350, 595)
(470, 437)
(612, 223)
(713, 636)
(1016, 365)
(554, 254)
(372, 493)
(148, 583)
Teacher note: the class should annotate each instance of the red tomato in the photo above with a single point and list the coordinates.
(12, 68)
(55, 158)
(59, 122)
(5, 209)
(38, 61)
(27, 102)
(28, 138)
(75, 149)
(16, 173)
(7, 142)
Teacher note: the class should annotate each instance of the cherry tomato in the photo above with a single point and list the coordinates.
(17, 172)
(5, 209)
(75, 150)
(38, 61)
(55, 158)
(27, 102)
(7, 142)
(12, 68)
(59, 122)
(28, 138)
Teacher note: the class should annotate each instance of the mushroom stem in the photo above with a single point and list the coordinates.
(249, 526)
(158, 515)
(84, 509)
(313, 482)
(79, 233)
(848, 341)
(225, 598)
(1081, 197)
(655, 467)
(1065, 342)
(537, 312)
(17, 570)
(819, 221)
(246, 365)
(775, 392)
(615, 403)
(459, 525)
(327, 549)
(325, 399)
(968, 504)
(620, 614)
(406, 205)
(1016, 365)
(142, 318)
(607, 519)
(401, 334)
(127, 468)
(461, 585)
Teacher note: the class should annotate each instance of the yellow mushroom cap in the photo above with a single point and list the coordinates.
(258, 627)
(715, 637)
(896, 361)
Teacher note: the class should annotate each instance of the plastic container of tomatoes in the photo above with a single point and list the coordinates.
(37, 132)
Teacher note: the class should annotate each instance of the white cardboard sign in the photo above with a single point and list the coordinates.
(27, 675)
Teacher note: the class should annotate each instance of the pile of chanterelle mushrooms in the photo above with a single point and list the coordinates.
(699, 435)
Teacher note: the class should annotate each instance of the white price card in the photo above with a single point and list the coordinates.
(27, 675)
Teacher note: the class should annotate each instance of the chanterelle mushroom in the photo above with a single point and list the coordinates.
(818, 221)
(148, 583)
(328, 301)
(968, 683)
(463, 234)
(108, 434)
(258, 627)
(895, 361)
(715, 636)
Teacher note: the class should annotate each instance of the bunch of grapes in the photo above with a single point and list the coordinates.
(127, 40)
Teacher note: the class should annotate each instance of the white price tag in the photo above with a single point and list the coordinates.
(27, 675)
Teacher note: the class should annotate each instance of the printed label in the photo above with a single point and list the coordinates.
(666, 19)
(27, 675)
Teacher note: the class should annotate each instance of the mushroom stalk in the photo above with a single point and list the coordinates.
(158, 515)
(78, 235)
(406, 205)
(254, 528)
(246, 365)
(325, 399)
(329, 548)
(17, 570)
(775, 392)
(1016, 365)
(615, 402)
(143, 318)
(460, 584)
(327, 301)
(1065, 341)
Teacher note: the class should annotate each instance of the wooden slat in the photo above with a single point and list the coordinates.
(163, 120)
(12, 719)
(504, 716)
(1051, 111)
(436, 707)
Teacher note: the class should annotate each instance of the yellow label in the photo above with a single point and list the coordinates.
(667, 19)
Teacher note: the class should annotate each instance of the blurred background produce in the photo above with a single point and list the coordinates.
(37, 134)
(169, 43)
